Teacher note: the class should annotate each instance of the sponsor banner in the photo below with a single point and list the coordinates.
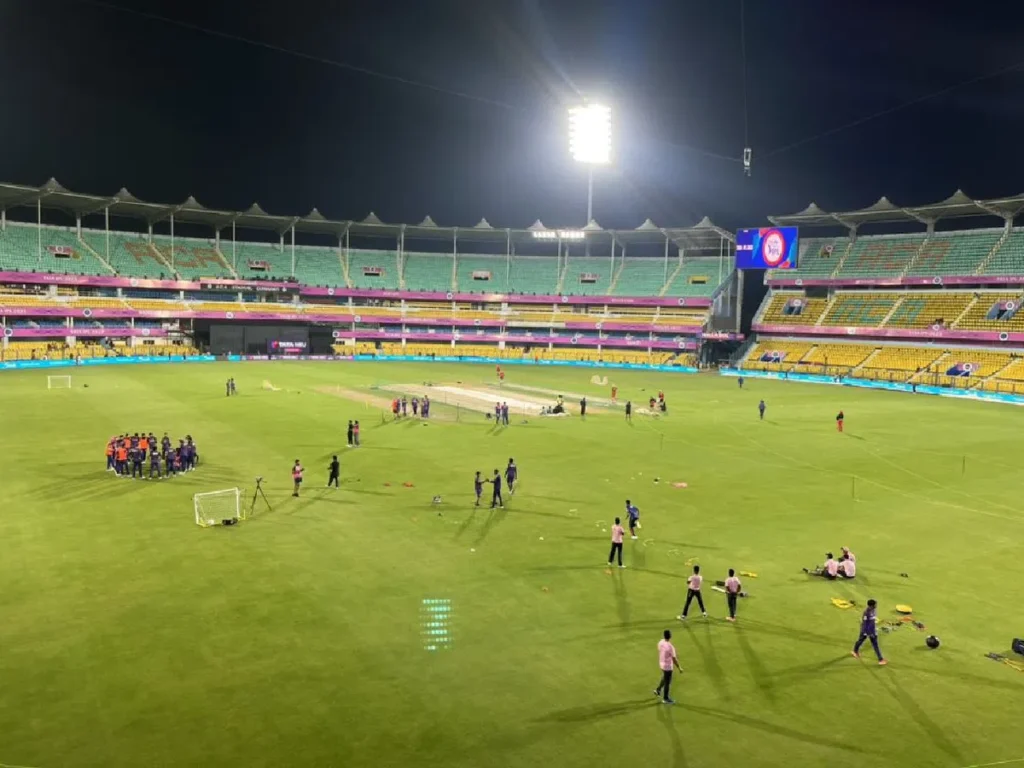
(525, 361)
(16, 365)
(721, 336)
(37, 278)
(782, 281)
(512, 298)
(893, 333)
(922, 389)
(615, 325)
(494, 338)
(50, 333)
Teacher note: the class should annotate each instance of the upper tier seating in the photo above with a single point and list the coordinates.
(254, 261)
(859, 309)
(1009, 259)
(641, 276)
(534, 274)
(20, 251)
(373, 269)
(596, 269)
(924, 310)
(698, 277)
(495, 266)
(954, 253)
(193, 259)
(428, 272)
(880, 256)
(130, 254)
(818, 258)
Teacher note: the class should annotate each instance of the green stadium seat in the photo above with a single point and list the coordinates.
(954, 253)
(373, 269)
(498, 267)
(641, 276)
(130, 254)
(255, 261)
(20, 251)
(698, 277)
(817, 258)
(534, 274)
(1009, 259)
(428, 272)
(193, 259)
(880, 256)
(587, 276)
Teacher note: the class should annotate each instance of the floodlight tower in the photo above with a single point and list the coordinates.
(590, 142)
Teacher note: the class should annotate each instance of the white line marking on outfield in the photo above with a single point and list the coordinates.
(999, 762)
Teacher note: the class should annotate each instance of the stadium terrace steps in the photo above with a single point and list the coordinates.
(31, 249)
(192, 259)
(82, 244)
(785, 308)
(953, 253)
(129, 254)
(617, 273)
(699, 276)
(481, 274)
(1008, 259)
(640, 276)
(880, 256)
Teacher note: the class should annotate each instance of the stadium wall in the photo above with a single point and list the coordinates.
(921, 389)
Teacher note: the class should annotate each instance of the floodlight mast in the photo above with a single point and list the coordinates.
(590, 142)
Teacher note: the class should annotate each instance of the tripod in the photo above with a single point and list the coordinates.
(258, 492)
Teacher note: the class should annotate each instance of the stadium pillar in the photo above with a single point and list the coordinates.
(666, 261)
(39, 228)
(612, 275)
(508, 257)
(293, 250)
(172, 241)
(106, 228)
(721, 258)
(234, 261)
(3, 219)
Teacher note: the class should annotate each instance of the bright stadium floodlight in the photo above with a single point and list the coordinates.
(590, 142)
(560, 234)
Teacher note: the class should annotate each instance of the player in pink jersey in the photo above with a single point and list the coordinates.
(847, 567)
(693, 585)
(666, 660)
(732, 593)
(617, 533)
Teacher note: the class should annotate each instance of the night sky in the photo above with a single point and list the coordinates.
(466, 116)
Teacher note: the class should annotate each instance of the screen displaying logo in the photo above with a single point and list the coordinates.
(277, 347)
(963, 369)
(767, 248)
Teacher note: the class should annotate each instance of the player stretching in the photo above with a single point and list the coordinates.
(511, 475)
(666, 660)
(868, 632)
(693, 590)
(633, 513)
(296, 478)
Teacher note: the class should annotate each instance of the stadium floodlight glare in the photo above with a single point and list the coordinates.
(590, 134)
(560, 234)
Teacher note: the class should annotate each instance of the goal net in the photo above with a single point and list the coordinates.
(214, 507)
(58, 382)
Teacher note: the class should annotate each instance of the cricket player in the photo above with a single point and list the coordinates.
(511, 475)
(732, 593)
(629, 410)
(297, 477)
(617, 534)
(868, 631)
(478, 488)
(839, 421)
(666, 660)
(335, 471)
(633, 515)
(693, 585)
(760, 409)
(496, 500)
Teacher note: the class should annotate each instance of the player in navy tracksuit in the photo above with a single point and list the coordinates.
(869, 632)
(496, 500)
(633, 513)
(511, 474)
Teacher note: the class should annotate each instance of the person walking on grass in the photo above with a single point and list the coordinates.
(667, 659)
(693, 585)
(732, 593)
(297, 478)
(868, 631)
(617, 534)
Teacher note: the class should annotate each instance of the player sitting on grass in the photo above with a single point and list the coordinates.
(847, 567)
(830, 569)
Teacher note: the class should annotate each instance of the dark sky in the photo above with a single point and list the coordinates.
(102, 98)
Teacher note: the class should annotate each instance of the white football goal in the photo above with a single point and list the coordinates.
(214, 507)
(58, 382)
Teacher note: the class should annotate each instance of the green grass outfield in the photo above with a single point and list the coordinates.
(132, 637)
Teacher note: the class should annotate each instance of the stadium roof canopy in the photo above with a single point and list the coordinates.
(704, 235)
(957, 205)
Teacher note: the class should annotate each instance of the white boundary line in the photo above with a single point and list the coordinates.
(988, 765)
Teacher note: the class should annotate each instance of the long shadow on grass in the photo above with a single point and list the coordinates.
(777, 730)
(666, 717)
(701, 635)
(466, 523)
(621, 597)
(755, 627)
(891, 683)
(494, 517)
(592, 712)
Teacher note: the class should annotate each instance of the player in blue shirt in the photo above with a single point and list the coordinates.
(869, 632)
(760, 408)
(633, 513)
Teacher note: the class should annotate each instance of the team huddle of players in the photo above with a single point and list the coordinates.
(400, 407)
(131, 455)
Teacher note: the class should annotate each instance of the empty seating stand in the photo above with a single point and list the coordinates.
(373, 269)
(130, 254)
(192, 259)
(534, 274)
(698, 277)
(954, 253)
(817, 258)
(1009, 259)
(482, 274)
(785, 308)
(587, 276)
(641, 276)
(428, 272)
(880, 256)
(26, 248)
